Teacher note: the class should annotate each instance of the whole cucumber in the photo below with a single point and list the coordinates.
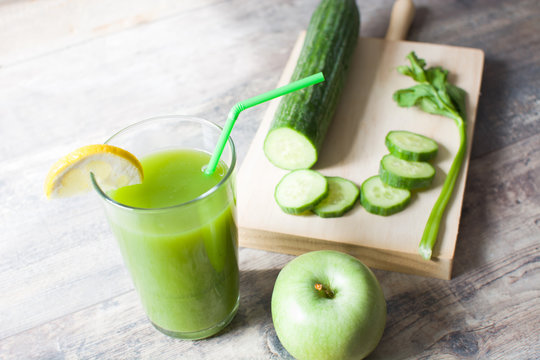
(299, 127)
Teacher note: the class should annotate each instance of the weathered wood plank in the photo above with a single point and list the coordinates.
(501, 210)
(490, 312)
(29, 28)
(64, 292)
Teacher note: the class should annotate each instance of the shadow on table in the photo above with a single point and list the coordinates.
(256, 288)
(481, 183)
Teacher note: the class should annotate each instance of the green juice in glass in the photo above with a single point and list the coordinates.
(182, 258)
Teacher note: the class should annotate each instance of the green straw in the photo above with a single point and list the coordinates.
(256, 100)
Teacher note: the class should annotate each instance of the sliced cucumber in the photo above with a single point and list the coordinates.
(410, 146)
(290, 149)
(342, 195)
(381, 199)
(300, 190)
(405, 174)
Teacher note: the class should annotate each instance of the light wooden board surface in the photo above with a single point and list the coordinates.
(353, 149)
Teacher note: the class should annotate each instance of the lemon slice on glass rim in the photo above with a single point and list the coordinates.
(112, 167)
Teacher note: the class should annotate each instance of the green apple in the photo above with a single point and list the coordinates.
(328, 305)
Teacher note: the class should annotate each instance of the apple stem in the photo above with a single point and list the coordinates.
(326, 292)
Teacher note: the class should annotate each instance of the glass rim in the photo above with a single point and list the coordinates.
(204, 195)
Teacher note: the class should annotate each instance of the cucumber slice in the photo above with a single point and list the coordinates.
(342, 195)
(300, 190)
(410, 146)
(381, 199)
(405, 174)
(289, 149)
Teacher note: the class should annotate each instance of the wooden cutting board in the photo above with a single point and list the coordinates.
(352, 149)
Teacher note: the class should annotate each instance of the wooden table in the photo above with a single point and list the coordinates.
(75, 72)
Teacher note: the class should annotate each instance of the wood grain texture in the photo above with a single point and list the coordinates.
(352, 149)
(64, 293)
(26, 29)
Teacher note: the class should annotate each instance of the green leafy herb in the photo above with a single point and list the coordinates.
(433, 94)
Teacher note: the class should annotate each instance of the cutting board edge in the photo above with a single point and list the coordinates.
(382, 259)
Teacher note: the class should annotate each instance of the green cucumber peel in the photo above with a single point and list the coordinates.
(433, 94)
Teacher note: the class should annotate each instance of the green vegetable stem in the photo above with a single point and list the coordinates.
(435, 95)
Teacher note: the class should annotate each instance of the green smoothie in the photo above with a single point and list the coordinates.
(182, 258)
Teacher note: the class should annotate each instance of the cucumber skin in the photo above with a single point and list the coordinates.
(399, 182)
(377, 210)
(328, 47)
(302, 210)
(373, 209)
(409, 155)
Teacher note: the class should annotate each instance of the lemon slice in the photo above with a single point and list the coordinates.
(112, 167)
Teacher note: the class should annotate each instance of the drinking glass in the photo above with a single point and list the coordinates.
(183, 259)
